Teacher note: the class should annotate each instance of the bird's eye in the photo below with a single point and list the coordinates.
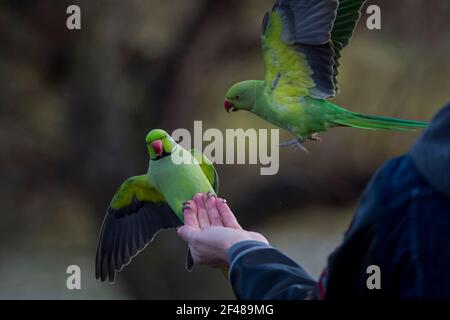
(238, 97)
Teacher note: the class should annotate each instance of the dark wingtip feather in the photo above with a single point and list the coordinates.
(127, 231)
(189, 261)
(264, 23)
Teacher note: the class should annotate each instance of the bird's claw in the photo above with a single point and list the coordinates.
(210, 194)
(186, 205)
(296, 144)
(300, 146)
(315, 137)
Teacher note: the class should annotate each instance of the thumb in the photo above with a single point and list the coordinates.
(186, 233)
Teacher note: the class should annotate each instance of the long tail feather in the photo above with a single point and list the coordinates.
(363, 121)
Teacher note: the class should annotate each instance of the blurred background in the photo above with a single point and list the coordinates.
(75, 107)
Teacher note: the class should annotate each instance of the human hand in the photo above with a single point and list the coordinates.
(210, 229)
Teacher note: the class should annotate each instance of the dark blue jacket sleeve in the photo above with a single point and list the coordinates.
(260, 272)
(402, 226)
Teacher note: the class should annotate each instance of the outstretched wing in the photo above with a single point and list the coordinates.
(297, 49)
(348, 14)
(207, 168)
(136, 213)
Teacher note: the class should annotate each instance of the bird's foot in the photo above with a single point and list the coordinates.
(315, 137)
(296, 144)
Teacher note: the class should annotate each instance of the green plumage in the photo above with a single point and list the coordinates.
(301, 45)
(145, 204)
(180, 182)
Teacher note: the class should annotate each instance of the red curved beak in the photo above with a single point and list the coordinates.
(229, 106)
(158, 147)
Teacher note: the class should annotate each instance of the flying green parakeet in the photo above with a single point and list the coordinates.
(301, 45)
(145, 204)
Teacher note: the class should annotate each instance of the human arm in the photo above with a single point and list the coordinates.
(257, 270)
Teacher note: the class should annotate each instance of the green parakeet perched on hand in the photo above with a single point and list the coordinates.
(301, 45)
(145, 204)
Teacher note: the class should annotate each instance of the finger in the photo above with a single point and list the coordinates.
(228, 218)
(190, 214)
(202, 215)
(213, 213)
(187, 233)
